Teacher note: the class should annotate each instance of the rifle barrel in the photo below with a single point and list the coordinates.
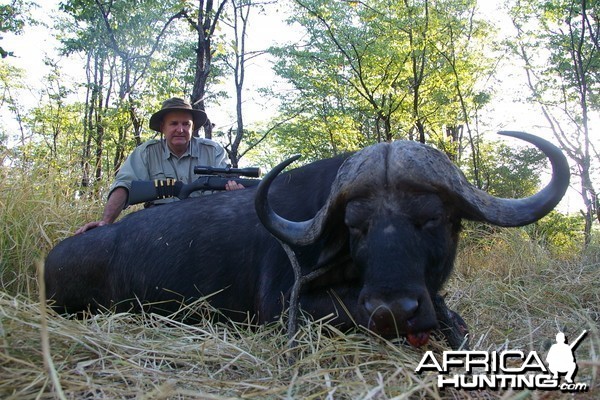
(576, 341)
(208, 170)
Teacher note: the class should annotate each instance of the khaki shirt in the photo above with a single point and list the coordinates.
(153, 160)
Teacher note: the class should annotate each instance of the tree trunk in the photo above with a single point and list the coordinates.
(204, 25)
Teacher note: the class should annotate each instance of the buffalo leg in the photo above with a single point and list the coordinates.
(452, 326)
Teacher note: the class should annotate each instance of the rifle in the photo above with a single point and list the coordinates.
(575, 343)
(211, 178)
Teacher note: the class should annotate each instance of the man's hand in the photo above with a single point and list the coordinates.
(112, 209)
(90, 225)
(233, 185)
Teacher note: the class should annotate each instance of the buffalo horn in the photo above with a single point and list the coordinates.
(519, 212)
(291, 232)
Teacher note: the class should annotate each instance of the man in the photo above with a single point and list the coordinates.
(560, 358)
(174, 156)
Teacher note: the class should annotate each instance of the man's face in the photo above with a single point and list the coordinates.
(177, 127)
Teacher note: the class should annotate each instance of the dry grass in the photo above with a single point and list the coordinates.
(147, 356)
(510, 291)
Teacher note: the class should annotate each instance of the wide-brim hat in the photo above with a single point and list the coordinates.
(177, 104)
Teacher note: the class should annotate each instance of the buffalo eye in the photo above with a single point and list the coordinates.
(429, 222)
(357, 218)
(357, 231)
(356, 227)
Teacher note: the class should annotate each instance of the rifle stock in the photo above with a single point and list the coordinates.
(144, 191)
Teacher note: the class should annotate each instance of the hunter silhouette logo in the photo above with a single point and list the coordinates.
(561, 358)
(509, 369)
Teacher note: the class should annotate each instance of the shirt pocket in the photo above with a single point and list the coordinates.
(161, 175)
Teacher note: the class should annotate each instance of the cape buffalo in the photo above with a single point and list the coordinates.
(385, 221)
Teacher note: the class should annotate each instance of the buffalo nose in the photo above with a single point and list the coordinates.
(402, 309)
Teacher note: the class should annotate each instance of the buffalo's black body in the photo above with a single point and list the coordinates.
(385, 221)
(210, 245)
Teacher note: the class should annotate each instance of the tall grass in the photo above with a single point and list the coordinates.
(512, 291)
(37, 208)
(514, 279)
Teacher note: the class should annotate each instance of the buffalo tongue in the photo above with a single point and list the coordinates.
(418, 339)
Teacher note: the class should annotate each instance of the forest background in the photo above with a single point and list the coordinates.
(310, 77)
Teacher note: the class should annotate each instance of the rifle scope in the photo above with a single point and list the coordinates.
(206, 170)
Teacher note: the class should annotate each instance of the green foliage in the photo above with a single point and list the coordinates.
(135, 59)
(134, 42)
(570, 65)
(562, 234)
(318, 136)
(564, 22)
(57, 131)
(11, 82)
(118, 25)
(509, 172)
(390, 68)
(13, 17)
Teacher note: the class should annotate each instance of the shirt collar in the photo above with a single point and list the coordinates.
(167, 153)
